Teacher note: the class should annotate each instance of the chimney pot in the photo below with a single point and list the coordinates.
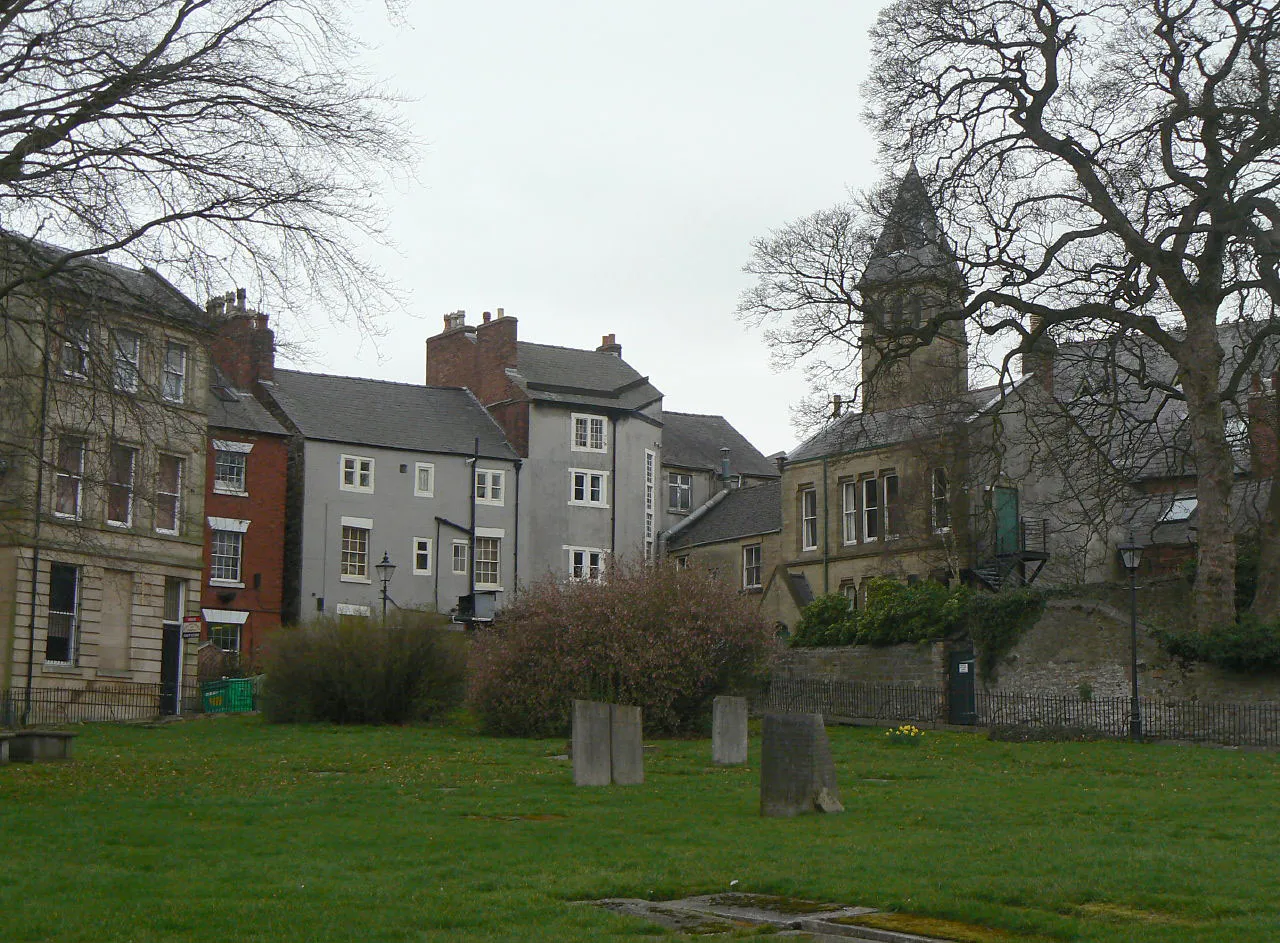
(487, 317)
(502, 312)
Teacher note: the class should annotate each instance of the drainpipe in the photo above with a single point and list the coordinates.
(39, 515)
(826, 519)
(613, 484)
(471, 558)
(435, 587)
(515, 539)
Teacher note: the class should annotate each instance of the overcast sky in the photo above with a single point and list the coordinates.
(599, 168)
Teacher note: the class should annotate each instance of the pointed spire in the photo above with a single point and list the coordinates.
(912, 246)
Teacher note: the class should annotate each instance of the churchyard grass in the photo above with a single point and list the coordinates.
(230, 829)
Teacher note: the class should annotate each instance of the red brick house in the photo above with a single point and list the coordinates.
(246, 478)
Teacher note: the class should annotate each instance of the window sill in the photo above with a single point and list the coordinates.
(584, 448)
(587, 504)
(120, 525)
(231, 584)
(424, 494)
(680, 511)
(119, 675)
(230, 492)
(753, 590)
(168, 533)
(488, 503)
(66, 517)
(488, 587)
(62, 668)
(355, 579)
(353, 490)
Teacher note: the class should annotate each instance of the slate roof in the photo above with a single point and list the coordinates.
(1112, 391)
(581, 377)
(744, 512)
(856, 432)
(144, 292)
(691, 440)
(389, 415)
(1148, 517)
(235, 409)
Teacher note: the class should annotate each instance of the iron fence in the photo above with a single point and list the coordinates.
(121, 701)
(1237, 724)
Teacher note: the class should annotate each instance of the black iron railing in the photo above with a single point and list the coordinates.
(1239, 724)
(124, 701)
(1034, 534)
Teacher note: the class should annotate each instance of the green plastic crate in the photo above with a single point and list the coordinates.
(228, 696)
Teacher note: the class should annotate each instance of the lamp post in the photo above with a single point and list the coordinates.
(386, 569)
(1131, 556)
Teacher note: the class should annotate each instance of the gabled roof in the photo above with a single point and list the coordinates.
(744, 512)
(693, 441)
(143, 292)
(858, 432)
(230, 408)
(388, 415)
(580, 377)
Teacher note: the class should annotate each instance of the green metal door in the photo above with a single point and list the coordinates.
(1005, 505)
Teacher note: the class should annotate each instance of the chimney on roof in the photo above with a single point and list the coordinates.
(724, 467)
(780, 460)
(1264, 436)
(837, 404)
(1039, 352)
(487, 317)
(455, 319)
(244, 348)
(609, 345)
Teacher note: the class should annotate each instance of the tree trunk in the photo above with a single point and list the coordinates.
(1266, 598)
(1200, 359)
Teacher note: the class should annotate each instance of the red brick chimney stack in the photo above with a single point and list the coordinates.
(1264, 437)
(244, 348)
(609, 345)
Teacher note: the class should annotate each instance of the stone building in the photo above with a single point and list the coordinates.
(102, 474)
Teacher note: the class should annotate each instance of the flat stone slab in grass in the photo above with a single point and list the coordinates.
(36, 746)
(820, 921)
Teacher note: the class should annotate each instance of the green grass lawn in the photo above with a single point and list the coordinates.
(231, 829)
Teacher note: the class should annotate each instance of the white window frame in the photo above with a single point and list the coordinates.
(226, 625)
(487, 481)
(892, 532)
(586, 564)
(849, 511)
(74, 476)
(650, 502)
(459, 561)
(808, 498)
(221, 486)
(758, 566)
(238, 579)
(364, 524)
(73, 636)
(126, 365)
(176, 495)
(941, 498)
(129, 486)
(488, 534)
(583, 480)
(589, 422)
(178, 376)
(358, 466)
(418, 544)
(679, 484)
(418, 490)
(75, 346)
(872, 516)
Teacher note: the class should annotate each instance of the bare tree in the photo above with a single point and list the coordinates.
(1105, 169)
(209, 139)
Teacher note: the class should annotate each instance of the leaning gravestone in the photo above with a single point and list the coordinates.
(797, 774)
(626, 745)
(592, 744)
(729, 731)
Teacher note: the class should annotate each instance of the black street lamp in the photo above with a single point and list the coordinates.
(1131, 556)
(386, 569)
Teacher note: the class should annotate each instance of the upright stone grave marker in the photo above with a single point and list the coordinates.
(592, 759)
(626, 745)
(729, 731)
(797, 773)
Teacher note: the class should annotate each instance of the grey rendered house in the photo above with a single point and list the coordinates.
(386, 468)
(588, 427)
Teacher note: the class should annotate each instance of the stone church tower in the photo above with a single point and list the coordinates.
(911, 355)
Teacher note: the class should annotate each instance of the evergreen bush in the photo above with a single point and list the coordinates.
(361, 671)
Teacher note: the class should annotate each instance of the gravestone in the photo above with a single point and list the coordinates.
(592, 744)
(4, 748)
(626, 745)
(34, 746)
(729, 731)
(797, 773)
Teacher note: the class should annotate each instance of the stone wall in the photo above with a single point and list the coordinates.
(1079, 648)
